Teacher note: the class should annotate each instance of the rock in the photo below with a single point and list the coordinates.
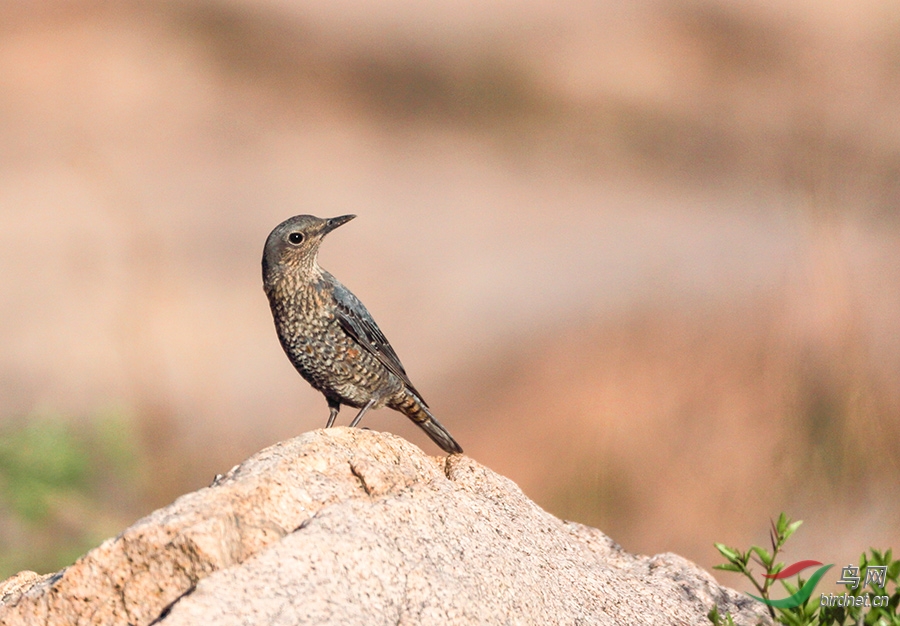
(14, 586)
(349, 526)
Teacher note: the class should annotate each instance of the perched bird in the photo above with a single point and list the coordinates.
(329, 335)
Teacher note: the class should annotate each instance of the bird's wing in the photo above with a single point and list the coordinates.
(358, 323)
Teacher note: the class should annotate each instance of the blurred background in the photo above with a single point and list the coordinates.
(642, 258)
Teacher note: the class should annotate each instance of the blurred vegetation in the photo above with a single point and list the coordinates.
(65, 485)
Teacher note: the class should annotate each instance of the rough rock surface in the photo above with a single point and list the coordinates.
(350, 526)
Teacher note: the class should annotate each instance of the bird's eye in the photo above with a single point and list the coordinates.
(295, 238)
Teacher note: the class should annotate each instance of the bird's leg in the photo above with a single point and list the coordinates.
(335, 407)
(362, 412)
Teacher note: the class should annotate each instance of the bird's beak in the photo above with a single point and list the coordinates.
(334, 222)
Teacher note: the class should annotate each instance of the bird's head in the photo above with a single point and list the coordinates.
(294, 244)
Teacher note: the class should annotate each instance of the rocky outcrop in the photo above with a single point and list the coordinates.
(349, 526)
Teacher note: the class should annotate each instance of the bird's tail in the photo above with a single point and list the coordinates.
(415, 409)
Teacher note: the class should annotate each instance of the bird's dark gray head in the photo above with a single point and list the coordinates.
(294, 244)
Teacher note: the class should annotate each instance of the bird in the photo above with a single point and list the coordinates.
(329, 335)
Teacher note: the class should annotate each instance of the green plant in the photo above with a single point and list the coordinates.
(64, 486)
(888, 615)
(38, 462)
(801, 608)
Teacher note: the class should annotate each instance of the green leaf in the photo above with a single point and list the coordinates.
(729, 553)
(791, 588)
(764, 556)
(717, 619)
(729, 567)
(893, 570)
(791, 528)
(778, 526)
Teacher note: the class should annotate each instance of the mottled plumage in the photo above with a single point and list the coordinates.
(328, 334)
